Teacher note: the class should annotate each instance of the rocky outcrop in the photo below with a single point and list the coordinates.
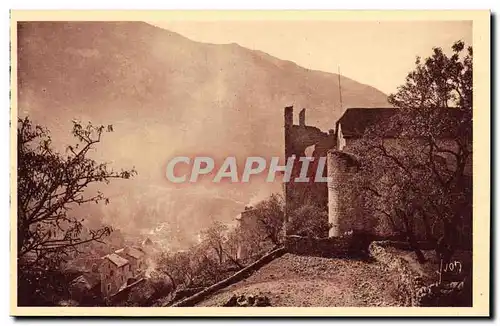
(451, 294)
(411, 284)
(251, 300)
(409, 281)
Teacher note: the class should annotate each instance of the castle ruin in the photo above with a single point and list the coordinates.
(346, 211)
(339, 168)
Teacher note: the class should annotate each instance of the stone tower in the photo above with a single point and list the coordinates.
(340, 169)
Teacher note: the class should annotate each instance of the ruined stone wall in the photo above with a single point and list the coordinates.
(339, 247)
(297, 139)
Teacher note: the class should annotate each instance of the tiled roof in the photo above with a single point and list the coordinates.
(87, 281)
(135, 252)
(116, 259)
(130, 251)
(355, 121)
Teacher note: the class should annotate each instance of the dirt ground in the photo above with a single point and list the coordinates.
(302, 281)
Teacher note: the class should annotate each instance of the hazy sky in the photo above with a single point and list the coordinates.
(376, 53)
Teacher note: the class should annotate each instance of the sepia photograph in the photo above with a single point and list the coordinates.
(331, 161)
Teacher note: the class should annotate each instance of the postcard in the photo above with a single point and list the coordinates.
(250, 163)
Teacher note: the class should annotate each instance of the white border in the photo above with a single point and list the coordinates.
(186, 4)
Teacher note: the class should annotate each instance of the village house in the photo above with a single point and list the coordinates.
(114, 273)
(85, 288)
(121, 268)
(136, 258)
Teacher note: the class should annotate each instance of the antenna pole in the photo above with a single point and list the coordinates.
(340, 90)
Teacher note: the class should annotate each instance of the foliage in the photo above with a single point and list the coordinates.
(196, 267)
(270, 215)
(438, 81)
(421, 181)
(178, 267)
(49, 184)
(214, 238)
(160, 282)
(41, 288)
(216, 254)
(309, 220)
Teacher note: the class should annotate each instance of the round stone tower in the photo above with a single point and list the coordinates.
(341, 167)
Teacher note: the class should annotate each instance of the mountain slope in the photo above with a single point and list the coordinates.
(167, 95)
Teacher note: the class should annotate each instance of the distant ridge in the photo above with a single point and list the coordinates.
(167, 95)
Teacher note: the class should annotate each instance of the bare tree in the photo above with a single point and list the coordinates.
(178, 267)
(230, 246)
(423, 181)
(214, 237)
(49, 184)
(270, 217)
